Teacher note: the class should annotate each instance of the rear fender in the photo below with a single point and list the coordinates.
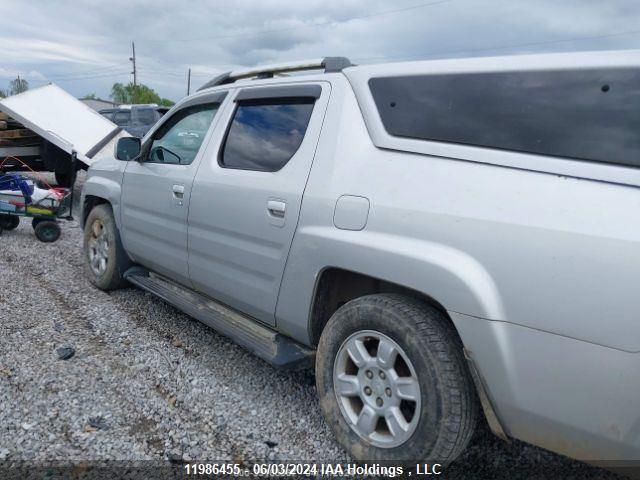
(452, 277)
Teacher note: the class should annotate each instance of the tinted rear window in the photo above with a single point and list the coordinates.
(144, 116)
(583, 114)
(106, 114)
(265, 134)
(122, 118)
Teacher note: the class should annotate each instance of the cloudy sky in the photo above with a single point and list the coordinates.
(84, 46)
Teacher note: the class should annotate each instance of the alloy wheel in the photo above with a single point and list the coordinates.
(377, 388)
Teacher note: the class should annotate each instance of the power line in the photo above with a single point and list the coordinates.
(310, 25)
(88, 72)
(81, 77)
(202, 74)
(504, 47)
(180, 73)
(89, 77)
(160, 72)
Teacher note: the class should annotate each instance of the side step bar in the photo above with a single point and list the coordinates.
(271, 346)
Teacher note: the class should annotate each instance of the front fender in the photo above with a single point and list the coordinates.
(104, 184)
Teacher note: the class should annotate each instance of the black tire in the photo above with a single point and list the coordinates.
(9, 222)
(47, 231)
(117, 261)
(63, 179)
(449, 408)
(35, 221)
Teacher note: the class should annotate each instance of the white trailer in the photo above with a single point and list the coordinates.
(65, 125)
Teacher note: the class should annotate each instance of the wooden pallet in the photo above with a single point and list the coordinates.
(14, 135)
(20, 142)
(17, 133)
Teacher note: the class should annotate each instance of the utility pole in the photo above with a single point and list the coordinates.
(135, 73)
(189, 82)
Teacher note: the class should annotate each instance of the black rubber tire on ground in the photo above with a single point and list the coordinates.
(118, 262)
(35, 221)
(47, 231)
(449, 410)
(9, 222)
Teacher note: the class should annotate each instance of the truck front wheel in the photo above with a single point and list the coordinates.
(393, 382)
(105, 258)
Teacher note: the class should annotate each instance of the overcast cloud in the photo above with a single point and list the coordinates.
(84, 46)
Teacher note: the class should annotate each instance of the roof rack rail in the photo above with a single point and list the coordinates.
(330, 65)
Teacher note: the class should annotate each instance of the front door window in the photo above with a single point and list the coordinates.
(179, 139)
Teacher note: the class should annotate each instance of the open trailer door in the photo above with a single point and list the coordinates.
(65, 121)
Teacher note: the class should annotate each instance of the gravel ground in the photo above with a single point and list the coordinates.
(149, 383)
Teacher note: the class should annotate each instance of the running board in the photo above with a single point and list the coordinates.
(271, 346)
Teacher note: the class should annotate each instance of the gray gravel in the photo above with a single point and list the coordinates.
(147, 382)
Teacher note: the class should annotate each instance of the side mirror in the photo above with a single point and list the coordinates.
(128, 148)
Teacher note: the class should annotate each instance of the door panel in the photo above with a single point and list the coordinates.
(242, 221)
(154, 218)
(156, 191)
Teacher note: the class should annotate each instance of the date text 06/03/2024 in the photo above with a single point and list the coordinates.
(313, 469)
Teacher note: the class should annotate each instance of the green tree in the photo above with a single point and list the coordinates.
(90, 96)
(3, 93)
(18, 85)
(129, 93)
(121, 94)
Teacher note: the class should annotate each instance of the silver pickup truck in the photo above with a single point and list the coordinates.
(446, 240)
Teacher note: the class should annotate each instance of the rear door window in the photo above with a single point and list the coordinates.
(266, 133)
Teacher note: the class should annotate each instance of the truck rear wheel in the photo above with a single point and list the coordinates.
(105, 258)
(393, 382)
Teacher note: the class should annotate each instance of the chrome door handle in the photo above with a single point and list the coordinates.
(276, 208)
(178, 191)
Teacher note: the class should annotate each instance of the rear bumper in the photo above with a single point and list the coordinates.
(569, 396)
